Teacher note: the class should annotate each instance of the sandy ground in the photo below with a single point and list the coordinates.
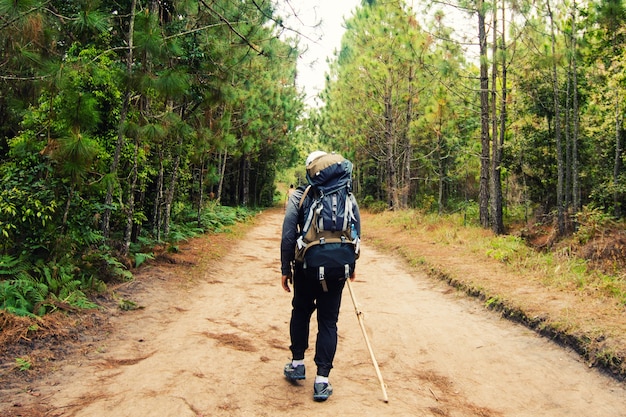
(212, 341)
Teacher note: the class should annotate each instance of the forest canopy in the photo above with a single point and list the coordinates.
(124, 121)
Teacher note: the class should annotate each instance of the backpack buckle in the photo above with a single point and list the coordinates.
(322, 279)
(322, 240)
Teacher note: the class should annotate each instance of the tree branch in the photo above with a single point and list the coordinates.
(232, 28)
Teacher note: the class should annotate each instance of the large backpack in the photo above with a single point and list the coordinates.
(328, 239)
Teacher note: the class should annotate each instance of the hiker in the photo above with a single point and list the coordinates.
(317, 285)
(290, 191)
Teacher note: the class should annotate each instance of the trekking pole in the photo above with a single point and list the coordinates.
(359, 315)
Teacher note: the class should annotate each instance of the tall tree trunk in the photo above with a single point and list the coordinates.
(440, 154)
(575, 180)
(245, 179)
(130, 204)
(617, 165)
(567, 134)
(557, 130)
(68, 204)
(483, 194)
(503, 120)
(571, 116)
(576, 205)
(392, 180)
(171, 190)
(106, 217)
(140, 202)
(220, 185)
(200, 191)
(158, 198)
(497, 223)
(408, 150)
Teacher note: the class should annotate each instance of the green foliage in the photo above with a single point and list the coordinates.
(11, 266)
(27, 204)
(19, 291)
(493, 302)
(559, 269)
(373, 205)
(140, 258)
(466, 211)
(592, 222)
(64, 285)
(20, 296)
(94, 147)
(215, 218)
(508, 249)
(182, 232)
(23, 364)
(396, 104)
(128, 305)
(29, 290)
(100, 265)
(97, 143)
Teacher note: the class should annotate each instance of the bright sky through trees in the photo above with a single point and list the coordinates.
(321, 41)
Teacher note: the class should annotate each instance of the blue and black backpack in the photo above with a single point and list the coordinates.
(328, 238)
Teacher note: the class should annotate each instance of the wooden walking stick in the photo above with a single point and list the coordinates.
(359, 315)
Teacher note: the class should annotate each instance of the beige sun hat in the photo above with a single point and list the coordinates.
(313, 156)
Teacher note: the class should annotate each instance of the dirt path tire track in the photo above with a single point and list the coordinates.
(214, 344)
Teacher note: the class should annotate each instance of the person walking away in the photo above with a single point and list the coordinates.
(319, 249)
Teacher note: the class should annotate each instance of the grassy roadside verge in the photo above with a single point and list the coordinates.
(555, 294)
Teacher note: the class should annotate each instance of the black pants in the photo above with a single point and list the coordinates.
(309, 296)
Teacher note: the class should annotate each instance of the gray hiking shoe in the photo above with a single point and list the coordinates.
(321, 391)
(294, 374)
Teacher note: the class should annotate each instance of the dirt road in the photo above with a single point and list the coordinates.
(214, 344)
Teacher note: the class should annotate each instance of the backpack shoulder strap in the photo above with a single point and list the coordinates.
(306, 191)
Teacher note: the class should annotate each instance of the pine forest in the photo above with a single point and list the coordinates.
(132, 123)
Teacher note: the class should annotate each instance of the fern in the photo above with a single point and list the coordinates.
(12, 267)
(117, 268)
(20, 296)
(140, 258)
(17, 311)
(9, 265)
(51, 287)
(67, 286)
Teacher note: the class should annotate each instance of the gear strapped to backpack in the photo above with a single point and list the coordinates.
(328, 238)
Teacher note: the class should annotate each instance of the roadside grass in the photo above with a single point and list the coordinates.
(555, 292)
(560, 269)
